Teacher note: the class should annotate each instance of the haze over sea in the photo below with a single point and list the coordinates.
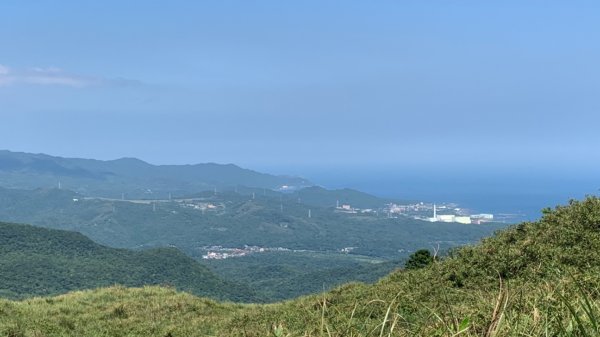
(482, 100)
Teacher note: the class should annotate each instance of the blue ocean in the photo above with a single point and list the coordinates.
(511, 196)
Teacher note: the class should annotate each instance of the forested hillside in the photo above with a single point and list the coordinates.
(37, 261)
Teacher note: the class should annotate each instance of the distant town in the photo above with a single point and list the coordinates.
(220, 253)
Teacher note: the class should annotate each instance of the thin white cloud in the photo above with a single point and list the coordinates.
(5, 77)
(53, 76)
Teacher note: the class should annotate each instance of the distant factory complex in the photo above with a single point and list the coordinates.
(429, 212)
(466, 219)
(445, 212)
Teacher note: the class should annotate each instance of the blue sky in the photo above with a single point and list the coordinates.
(288, 86)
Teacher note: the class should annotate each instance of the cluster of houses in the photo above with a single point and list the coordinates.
(220, 253)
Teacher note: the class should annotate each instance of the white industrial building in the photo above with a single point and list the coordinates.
(458, 218)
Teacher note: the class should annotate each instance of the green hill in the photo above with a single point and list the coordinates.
(39, 261)
(131, 177)
(534, 279)
(319, 196)
(315, 196)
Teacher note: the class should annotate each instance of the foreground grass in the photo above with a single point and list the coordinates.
(535, 279)
(156, 311)
(115, 311)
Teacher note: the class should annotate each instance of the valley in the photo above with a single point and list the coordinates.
(270, 232)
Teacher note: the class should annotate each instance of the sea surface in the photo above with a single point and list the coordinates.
(510, 196)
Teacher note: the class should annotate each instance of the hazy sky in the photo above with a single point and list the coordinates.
(282, 84)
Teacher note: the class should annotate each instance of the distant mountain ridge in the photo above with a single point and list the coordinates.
(130, 177)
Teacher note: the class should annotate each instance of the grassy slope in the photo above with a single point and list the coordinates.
(529, 280)
(39, 261)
